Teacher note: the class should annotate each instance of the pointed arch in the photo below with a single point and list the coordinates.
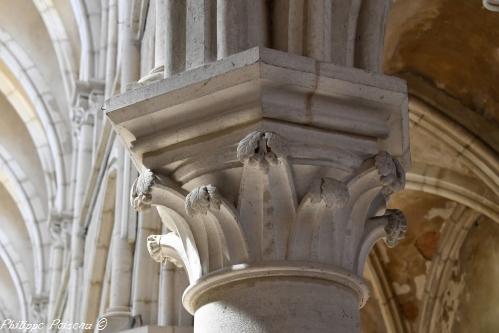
(43, 121)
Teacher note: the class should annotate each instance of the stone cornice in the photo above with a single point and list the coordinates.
(261, 90)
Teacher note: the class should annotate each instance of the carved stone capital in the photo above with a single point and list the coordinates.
(59, 223)
(80, 116)
(262, 149)
(39, 307)
(330, 224)
(201, 200)
(140, 193)
(265, 208)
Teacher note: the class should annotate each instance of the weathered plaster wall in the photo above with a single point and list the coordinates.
(406, 265)
(370, 317)
(451, 43)
(478, 309)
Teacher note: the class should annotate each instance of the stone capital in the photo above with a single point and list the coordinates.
(335, 222)
(267, 164)
(59, 224)
(39, 306)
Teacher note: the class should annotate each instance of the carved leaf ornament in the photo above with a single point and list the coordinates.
(336, 223)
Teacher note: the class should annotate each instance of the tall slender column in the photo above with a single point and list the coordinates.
(173, 281)
(119, 314)
(87, 96)
(160, 43)
(57, 225)
(145, 295)
(85, 124)
(130, 44)
(175, 36)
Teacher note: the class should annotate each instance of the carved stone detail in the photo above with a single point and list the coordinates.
(58, 224)
(39, 305)
(391, 173)
(330, 191)
(157, 250)
(261, 148)
(140, 194)
(154, 75)
(269, 223)
(202, 199)
(395, 228)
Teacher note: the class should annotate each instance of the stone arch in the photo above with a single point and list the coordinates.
(87, 14)
(17, 273)
(475, 154)
(476, 199)
(453, 186)
(60, 42)
(35, 130)
(51, 124)
(23, 193)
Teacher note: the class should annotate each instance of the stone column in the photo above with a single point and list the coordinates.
(145, 295)
(58, 225)
(160, 46)
(172, 283)
(85, 125)
(87, 97)
(119, 312)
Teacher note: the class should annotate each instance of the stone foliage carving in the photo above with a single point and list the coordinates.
(331, 224)
(140, 195)
(391, 173)
(156, 247)
(262, 149)
(58, 227)
(202, 199)
(39, 305)
(395, 227)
